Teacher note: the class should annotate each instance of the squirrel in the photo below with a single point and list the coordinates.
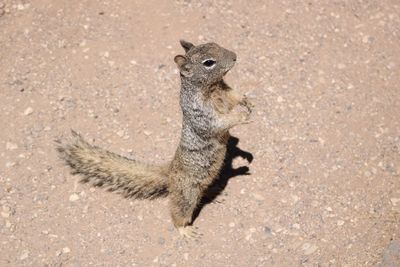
(210, 108)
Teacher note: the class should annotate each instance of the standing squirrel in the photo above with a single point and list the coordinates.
(210, 108)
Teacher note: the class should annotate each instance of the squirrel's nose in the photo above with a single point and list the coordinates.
(234, 57)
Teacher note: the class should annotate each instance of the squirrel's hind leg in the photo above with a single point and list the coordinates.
(183, 203)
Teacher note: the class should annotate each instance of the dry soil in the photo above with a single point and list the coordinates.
(323, 188)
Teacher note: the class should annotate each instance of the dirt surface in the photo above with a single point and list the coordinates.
(324, 186)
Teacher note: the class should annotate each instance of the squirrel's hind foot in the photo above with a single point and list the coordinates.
(189, 233)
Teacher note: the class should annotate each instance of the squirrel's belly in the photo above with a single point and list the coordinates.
(210, 170)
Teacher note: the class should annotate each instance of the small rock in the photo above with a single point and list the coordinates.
(66, 250)
(391, 255)
(391, 65)
(133, 62)
(186, 256)
(5, 214)
(28, 111)
(296, 226)
(73, 197)
(11, 146)
(340, 223)
(309, 248)
(24, 255)
(395, 201)
(231, 224)
(147, 132)
(267, 231)
(161, 240)
(10, 164)
(120, 133)
(279, 99)
(367, 39)
(258, 197)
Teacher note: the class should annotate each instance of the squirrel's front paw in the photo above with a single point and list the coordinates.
(246, 103)
(242, 113)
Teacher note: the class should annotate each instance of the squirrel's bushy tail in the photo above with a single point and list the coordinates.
(117, 173)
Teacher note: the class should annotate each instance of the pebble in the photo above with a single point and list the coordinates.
(66, 250)
(279, 99)
(231, 224)
(147, 132)
(391, 255)
(329, 209)
(10, 164)
(73, 197)
(267, 230)
(367, 39)
(28, 111)
(24, 255)
(395, 201)
(186, 256)
(258, 197)
(11, 146)
(161, 240)
(340, 223)
(309, 248)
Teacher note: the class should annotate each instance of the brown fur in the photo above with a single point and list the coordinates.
(210, 108)
(114, 172)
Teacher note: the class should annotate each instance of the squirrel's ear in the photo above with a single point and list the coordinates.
(186, 45)
(183, 65)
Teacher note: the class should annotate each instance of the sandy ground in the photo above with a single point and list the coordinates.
(324, 186)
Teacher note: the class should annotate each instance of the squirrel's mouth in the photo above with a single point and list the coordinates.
(226, 71)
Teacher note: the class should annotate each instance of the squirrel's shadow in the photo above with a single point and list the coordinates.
(227, 172)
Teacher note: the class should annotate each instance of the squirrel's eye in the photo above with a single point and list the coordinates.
(209, 63)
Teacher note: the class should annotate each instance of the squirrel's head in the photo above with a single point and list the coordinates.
(204, 64)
